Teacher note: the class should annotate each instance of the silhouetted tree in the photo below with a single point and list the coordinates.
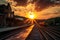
(53, 21)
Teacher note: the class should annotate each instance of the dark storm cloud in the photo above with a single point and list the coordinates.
(39, 4)
(21, 2)
(42, 4)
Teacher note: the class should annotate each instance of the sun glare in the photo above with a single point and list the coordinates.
(31, 15)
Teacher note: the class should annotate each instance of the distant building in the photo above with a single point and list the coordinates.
(5, 12)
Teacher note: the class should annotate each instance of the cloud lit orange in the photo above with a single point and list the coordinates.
(44, 14)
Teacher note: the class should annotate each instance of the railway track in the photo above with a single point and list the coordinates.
(45, 33)
(7, 34)
(37, 33)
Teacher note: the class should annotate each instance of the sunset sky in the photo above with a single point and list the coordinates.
(44, 9)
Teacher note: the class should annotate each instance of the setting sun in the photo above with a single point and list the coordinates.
(31, 15)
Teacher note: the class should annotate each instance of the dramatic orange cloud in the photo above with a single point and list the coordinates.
(44, 12)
